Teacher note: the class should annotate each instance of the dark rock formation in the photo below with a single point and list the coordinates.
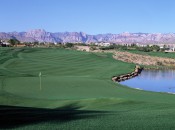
(124, 77)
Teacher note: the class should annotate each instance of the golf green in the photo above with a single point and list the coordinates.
(52, 88)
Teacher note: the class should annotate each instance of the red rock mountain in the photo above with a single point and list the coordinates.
(41, 35)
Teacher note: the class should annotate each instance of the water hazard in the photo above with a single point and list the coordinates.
(153, 80)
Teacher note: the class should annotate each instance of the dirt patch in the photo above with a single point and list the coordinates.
(83, 48)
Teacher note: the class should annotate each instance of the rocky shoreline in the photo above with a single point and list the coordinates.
(124, 77)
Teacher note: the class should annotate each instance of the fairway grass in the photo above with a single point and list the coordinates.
(76, 93)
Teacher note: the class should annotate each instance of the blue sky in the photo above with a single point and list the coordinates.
(90, 16)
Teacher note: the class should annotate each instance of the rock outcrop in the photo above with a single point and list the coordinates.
(40, 35)
(124, 77)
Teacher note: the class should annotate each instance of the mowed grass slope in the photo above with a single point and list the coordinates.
(66, 74)
(77, 93)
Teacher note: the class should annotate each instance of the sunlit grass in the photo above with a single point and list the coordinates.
(77, 91)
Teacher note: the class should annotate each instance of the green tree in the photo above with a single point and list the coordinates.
(36, 43)
(69, 45)
(14, 42)
(155, 48)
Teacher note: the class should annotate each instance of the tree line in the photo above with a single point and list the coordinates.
(147, 48)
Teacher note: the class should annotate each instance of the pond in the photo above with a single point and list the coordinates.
(153, 80)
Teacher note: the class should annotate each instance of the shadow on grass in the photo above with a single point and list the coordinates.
(12, 116)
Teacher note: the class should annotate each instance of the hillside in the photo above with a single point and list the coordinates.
(41, 35)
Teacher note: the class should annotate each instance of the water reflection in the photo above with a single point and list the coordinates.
(153, 80)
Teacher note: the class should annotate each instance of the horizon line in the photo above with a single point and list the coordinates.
(125, 32)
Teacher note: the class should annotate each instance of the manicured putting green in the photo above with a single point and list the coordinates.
(65, 74)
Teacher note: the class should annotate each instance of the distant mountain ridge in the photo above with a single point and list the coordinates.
(41, 35)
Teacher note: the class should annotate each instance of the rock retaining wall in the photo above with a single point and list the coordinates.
(124, 77)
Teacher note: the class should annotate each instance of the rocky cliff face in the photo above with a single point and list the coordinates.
(41, 35)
